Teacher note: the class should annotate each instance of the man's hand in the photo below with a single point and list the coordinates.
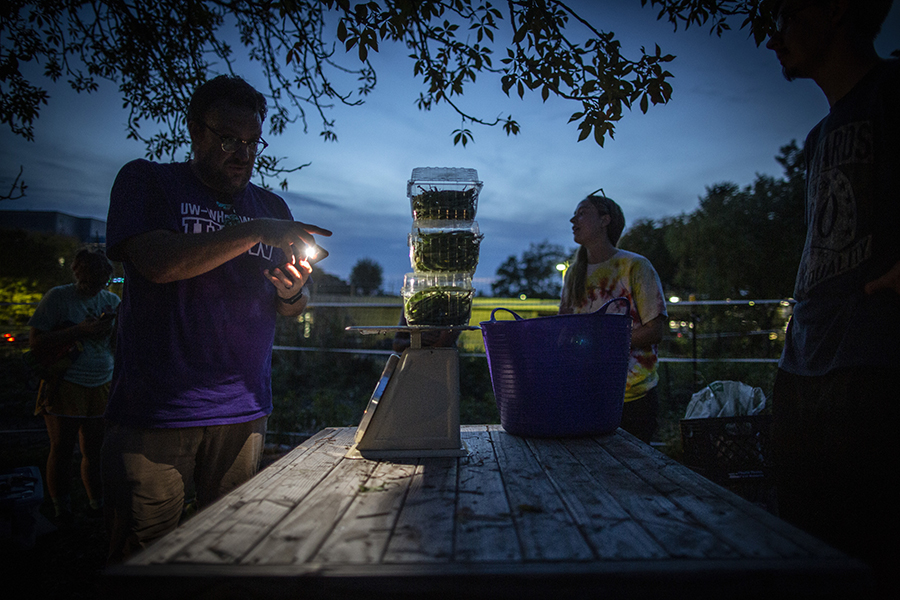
(888, 281)
(292, 237)
(94, 327)
(288, 279)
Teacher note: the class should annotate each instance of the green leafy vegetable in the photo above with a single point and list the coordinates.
(446, 251)
(445, 204)
(440, 306)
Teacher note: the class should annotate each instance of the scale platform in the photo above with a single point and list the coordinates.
(414, 410)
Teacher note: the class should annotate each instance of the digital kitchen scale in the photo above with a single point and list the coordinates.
(414, 410)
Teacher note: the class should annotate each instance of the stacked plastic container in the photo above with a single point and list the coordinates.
(443, 246)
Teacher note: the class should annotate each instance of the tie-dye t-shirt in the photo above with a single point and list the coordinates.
(631, 276)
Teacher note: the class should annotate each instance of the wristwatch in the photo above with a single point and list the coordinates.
(293, 299)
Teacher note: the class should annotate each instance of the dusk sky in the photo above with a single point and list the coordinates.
(730, 112)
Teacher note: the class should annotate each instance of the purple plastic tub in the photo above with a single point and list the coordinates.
(559, 376)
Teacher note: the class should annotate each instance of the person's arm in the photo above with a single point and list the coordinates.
(165, 256)
(44, 341)
(651, 332)
(888, 281)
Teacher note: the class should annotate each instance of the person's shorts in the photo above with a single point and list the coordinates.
(66, 399)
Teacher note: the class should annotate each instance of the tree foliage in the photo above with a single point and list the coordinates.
(535, 275)
(366, 277)
(308, 50)
(739, 243)
(40, 260)
(648, 238)
(756, 15)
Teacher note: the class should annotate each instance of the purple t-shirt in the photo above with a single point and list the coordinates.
(194, 352)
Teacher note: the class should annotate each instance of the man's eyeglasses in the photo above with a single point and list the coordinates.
(232, 144)
(784, 19)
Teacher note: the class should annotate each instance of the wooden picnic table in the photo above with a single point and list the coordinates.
(600, 517)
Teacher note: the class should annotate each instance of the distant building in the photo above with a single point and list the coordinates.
(85, 229)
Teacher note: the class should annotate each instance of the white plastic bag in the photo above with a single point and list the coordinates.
(726, 399)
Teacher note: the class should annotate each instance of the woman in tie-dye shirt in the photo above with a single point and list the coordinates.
(601, 272)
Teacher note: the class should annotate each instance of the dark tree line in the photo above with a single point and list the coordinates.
(739, 243)
(535, 275)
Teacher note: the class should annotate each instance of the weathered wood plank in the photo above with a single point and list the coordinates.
(675, 530)
(302, 531)
(485, 530)
(424, 530)
(747, 536)
(607, 526)
(362, 534)
(752, 530)
(690, 579)
(233, 537)
(304, 474)
(546, 529)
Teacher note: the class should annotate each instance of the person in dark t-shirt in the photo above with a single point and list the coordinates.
(835, 398)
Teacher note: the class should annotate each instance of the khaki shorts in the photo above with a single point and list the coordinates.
(147, 472)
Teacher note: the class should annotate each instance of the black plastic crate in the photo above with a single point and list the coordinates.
(727, 449)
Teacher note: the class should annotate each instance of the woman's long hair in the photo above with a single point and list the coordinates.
(577, 273)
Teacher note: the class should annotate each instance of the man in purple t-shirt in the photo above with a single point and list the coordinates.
(201, 247)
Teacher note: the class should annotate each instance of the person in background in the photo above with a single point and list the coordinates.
(835, 400)
(210, 261)
(74, 323)
(601, 272)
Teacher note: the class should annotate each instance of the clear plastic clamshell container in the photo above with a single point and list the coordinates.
(446, 193)
(444, 246)
(437, 299)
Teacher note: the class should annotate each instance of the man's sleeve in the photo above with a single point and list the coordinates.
(137, 205)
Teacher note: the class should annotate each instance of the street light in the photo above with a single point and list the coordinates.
(562, 268)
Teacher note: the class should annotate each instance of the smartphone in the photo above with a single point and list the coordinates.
(107, 316)
(313, 255)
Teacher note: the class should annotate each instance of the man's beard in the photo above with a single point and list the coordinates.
(221, 181)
